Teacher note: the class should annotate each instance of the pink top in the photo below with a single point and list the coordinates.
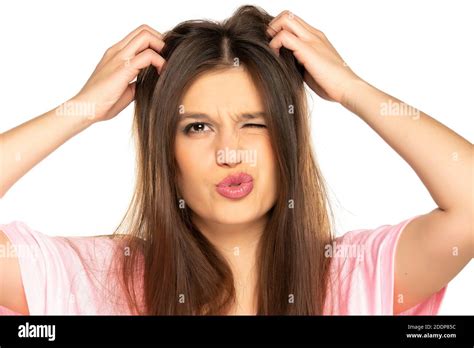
(56, 281)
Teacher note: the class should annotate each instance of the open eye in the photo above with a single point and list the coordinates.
(196, 127)
(200, 127)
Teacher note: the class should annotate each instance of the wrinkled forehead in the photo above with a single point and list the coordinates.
(226, 92)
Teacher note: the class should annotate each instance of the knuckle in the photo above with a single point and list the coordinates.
(144, 27)
(289, 15)
(109, 51)
(144, 35)
(148, 53)
(283, 34)
(125, 65)
(319, 33)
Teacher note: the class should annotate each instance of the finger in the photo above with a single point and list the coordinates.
(146, 58)
(309, 27)
(279, 16)
(124, 42)
(141, 42)
(270, 31)
(284, 39)
(288, 21)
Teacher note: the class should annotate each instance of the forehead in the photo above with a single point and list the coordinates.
(231, 90)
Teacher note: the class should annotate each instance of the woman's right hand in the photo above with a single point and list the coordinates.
(107, 92)
(110, 88)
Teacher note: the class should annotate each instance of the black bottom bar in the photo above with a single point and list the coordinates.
(332, 331)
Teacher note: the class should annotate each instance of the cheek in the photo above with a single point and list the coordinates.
(197, 164)
(193, 164)
(266, 167)
(266, 158)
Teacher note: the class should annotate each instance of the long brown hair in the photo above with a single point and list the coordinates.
(183, 273)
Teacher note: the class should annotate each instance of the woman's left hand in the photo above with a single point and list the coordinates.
(326, 72)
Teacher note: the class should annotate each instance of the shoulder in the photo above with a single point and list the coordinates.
(374, 240)
(362, 269)
(59, 274)
(12, 295)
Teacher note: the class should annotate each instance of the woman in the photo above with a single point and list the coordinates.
(230, 214)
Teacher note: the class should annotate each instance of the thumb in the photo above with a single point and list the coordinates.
(125, 99)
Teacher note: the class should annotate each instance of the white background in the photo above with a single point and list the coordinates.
(420, 52)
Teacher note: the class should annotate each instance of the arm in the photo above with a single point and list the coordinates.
(107, 92)
(24, 146)
(441, 240)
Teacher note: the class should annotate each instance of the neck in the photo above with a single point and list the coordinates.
(233, 240)
(238, 243)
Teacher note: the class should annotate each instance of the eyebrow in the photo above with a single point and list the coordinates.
(203, 116)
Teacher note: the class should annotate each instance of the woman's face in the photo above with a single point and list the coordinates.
(221, 132)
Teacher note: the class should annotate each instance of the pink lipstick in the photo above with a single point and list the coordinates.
(235, 186)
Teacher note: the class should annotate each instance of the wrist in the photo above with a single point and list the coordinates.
(79, 112)
(353, 91)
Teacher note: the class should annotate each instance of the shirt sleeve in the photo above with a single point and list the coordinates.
(367, 282)
(53, 270)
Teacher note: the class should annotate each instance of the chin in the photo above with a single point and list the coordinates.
(233, 215)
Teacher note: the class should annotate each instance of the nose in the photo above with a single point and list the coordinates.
(227, 149)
